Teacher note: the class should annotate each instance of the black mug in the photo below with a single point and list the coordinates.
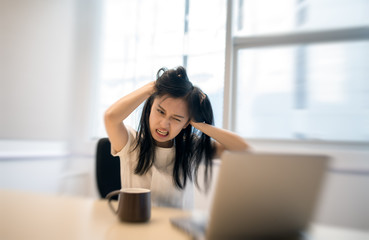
(134, 204)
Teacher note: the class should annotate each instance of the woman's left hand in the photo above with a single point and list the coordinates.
(225, 140)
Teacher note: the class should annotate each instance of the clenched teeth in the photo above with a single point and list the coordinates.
(162, 132)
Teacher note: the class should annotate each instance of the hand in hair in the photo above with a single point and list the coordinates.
(201, 109)
(225, 140)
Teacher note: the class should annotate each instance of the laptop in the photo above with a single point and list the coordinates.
(260, 196)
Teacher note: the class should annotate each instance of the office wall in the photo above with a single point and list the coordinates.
(47, 55)
(36, 59)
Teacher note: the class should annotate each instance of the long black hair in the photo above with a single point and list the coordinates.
(192, 147)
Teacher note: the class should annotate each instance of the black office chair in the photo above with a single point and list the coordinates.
(107, 169)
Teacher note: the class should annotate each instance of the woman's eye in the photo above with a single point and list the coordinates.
(160, 111)
(178, 120)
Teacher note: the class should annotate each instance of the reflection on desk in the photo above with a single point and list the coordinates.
(38, 216)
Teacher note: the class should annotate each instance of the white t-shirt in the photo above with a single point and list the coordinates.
(158, 178)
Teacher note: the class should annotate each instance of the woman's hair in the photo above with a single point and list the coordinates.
(191, 146)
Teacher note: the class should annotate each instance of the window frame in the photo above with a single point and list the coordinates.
(236, 43)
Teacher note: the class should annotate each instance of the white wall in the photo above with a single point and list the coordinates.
(48, 53)
(36, 59)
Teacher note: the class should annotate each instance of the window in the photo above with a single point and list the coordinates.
(294, 69)
(140, 37)
(300, 69)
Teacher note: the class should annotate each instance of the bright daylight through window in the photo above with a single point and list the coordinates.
(299, 68)
(140, 37)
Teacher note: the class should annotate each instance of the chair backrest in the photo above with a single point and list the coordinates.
(107, 168)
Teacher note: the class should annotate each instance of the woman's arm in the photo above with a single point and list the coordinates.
(225, 140)
(120, 110)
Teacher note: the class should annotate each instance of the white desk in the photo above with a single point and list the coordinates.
(38, 216)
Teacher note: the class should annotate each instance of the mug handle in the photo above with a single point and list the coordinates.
(109, 197)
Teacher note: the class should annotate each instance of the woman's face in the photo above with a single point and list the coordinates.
(167, 118)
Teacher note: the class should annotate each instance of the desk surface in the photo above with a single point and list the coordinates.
(38, 216)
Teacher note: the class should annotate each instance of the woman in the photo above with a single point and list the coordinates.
(173, 138)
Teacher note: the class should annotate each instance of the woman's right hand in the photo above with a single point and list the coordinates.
(152, 87)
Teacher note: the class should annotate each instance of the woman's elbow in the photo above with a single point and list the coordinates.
(243, 145)
(108, 116)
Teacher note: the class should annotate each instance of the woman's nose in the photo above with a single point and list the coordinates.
(164, 123)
